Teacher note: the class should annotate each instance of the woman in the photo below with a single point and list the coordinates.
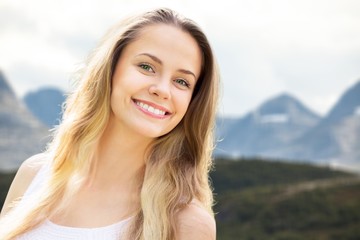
(131, 157)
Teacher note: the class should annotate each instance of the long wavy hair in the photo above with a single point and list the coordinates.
(177, 163)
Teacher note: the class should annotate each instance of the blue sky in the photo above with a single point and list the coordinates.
(309, 48)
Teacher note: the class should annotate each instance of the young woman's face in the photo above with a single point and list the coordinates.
(154, 79)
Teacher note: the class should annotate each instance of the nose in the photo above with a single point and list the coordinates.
(161, 89)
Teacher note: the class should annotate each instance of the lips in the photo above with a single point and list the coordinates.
(152, 109)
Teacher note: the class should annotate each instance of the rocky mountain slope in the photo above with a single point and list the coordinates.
(273, 125)
(284, 128)
(45, 104)
(336, 139)
(21, 134)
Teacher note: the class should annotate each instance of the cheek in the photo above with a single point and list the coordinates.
(183, 105)
(125, 75)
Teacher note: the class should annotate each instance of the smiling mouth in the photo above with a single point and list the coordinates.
(151, 109)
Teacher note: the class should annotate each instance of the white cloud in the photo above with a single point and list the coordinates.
(309, 48)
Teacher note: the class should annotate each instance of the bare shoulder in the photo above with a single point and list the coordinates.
(24, 176)
(194, 222)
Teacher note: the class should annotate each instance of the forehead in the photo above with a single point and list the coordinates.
(170, 44)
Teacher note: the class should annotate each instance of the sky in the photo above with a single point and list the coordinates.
(307, 48)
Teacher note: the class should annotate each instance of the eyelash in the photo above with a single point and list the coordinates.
(146, 65)
(184, 82)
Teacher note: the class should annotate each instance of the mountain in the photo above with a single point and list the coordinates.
(283, 128)
(46, 104)
(21, 134)
(273, 125)
(336, 138)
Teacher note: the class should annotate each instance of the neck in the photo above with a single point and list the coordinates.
(120, 156)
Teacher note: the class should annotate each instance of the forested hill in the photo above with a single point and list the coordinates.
(280, 201)
(230, 175)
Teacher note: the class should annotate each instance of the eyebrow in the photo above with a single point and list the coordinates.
(156, 59)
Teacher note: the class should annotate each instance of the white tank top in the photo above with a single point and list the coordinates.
(52, 231)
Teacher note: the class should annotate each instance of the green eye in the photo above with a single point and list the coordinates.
(182, 82)
(146, 67)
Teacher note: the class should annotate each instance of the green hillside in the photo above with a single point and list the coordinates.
(277, 201)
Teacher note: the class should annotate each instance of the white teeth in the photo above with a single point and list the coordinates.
(150, 108)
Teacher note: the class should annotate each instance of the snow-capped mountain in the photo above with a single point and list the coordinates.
(283, 128)
(336, 139)
(273, 125)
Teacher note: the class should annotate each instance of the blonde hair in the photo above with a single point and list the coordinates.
(178, 163)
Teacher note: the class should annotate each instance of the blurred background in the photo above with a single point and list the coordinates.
(288, 130)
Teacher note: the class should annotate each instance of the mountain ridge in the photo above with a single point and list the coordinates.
(296, 133)
(338, 130)
(46, 104)
(21, 134)
(275, 122)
